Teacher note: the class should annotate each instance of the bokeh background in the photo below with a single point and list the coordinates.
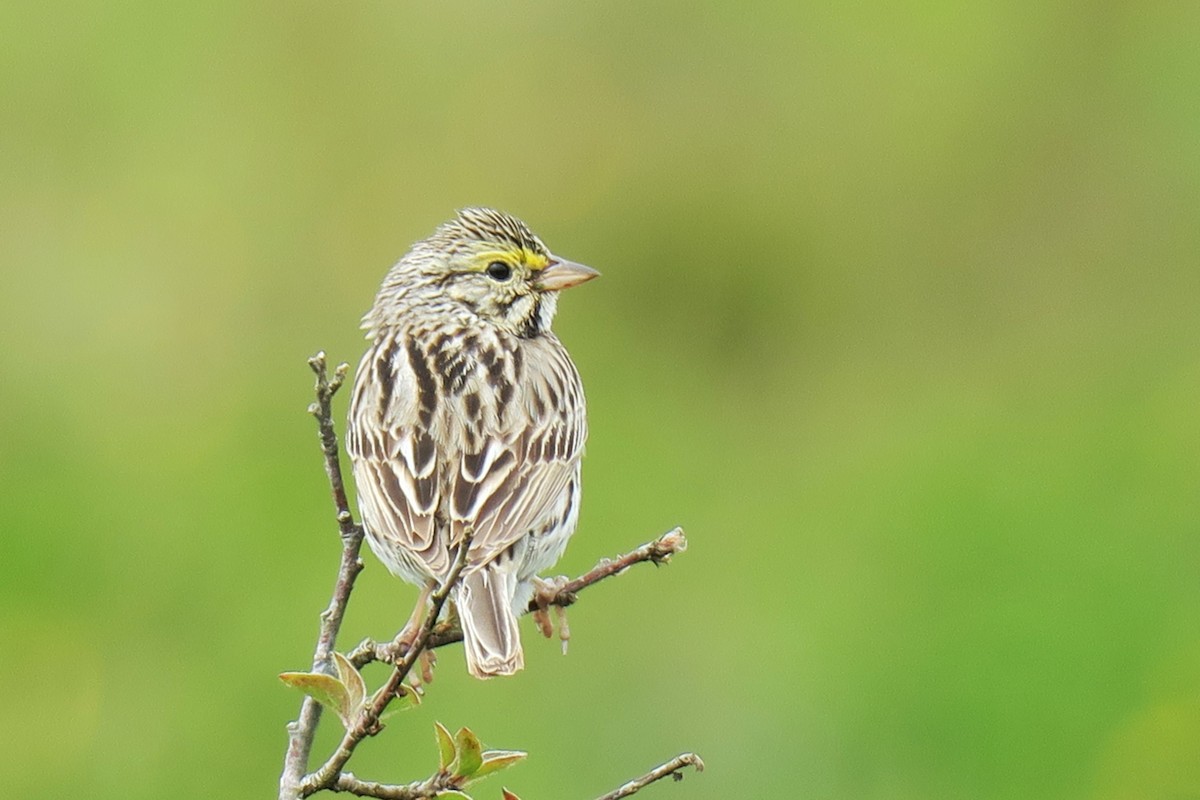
(898, 319)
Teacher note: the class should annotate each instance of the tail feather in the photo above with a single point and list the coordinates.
(490, 635)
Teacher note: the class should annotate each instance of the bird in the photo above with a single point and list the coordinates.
(467, 416)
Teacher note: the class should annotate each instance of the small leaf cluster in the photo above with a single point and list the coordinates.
(462, 758)
(345, 695)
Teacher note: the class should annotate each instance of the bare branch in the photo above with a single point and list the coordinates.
(658, 551)
(303, 729)
(368, 722)
(322, 409)
(294, 784)
(671, 768)
(428, 788)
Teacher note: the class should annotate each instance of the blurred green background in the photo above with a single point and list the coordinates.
(899, 319)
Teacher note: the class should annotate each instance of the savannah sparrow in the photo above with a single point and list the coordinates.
(468, 414)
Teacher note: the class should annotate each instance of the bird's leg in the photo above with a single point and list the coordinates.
(564, 630)
(542, 619)
(428, 662)
(546, 592)
(394, 650)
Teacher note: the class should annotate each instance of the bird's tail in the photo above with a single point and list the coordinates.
(490, 636)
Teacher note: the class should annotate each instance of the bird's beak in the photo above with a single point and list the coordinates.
(562, 274)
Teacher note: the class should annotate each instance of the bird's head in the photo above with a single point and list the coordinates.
(483, 267)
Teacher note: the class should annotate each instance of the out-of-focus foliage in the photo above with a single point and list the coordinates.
(899, 319)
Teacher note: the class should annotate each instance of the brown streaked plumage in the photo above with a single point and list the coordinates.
(467, 413)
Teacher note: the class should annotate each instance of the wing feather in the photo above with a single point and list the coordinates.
(497, 454)
(395, 465)
(539, 456)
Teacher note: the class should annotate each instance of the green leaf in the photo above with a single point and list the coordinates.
(411, 698)
(325, 689)
(496, 760)
(356, 689)
(470, 753)
(408, 697)
(446, 749)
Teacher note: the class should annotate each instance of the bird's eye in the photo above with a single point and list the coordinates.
(499, 271)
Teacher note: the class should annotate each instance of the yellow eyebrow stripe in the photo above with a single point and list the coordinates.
(535, 261)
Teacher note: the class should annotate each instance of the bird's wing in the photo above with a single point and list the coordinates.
(499, 463)
(395, 457)
(517, 473)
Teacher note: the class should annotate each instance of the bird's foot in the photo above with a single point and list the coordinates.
(547, 594)
(395, 650)
(422, 672)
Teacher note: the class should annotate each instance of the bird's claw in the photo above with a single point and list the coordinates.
(547, 593)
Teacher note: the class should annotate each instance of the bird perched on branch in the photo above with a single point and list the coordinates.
(468, 415)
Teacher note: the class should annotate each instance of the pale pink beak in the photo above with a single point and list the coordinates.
(563, 274)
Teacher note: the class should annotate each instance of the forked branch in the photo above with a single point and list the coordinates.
(294, 784)
(658, 551)
(368, 721)
(304, 728)
(441, 782)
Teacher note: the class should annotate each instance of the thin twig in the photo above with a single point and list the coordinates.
(430, 787)
(658, 551)
(303, 729)
(368, 722)
(671, 768)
